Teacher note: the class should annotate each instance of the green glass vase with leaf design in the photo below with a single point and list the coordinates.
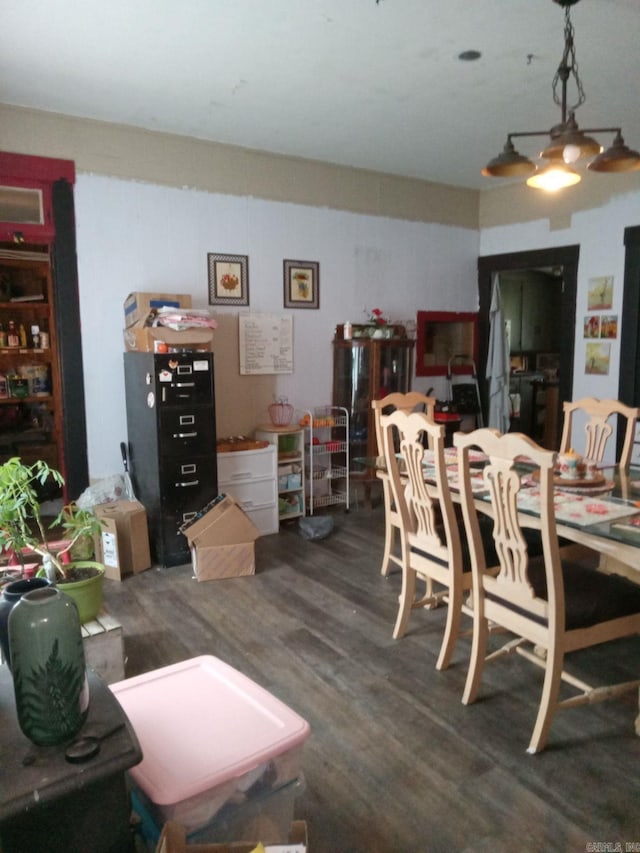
(48, 666)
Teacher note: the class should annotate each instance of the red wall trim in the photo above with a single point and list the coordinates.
(38, 173)
(41, 169)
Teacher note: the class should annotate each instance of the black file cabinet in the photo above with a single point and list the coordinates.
(171, 428)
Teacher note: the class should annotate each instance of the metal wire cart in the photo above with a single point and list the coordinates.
(326, 457)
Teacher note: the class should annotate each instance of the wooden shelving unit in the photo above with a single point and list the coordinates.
(39, 287)
(31, 411)
(291, 485)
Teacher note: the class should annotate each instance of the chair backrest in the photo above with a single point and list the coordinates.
(409, 402)
(427, 511)
(598, 429)
(511, 589)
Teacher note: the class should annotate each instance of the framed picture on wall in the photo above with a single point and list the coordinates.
(609, 326)
(597, 359)
(600, 293)
(591, 326)
(228, 279)
(301, 284)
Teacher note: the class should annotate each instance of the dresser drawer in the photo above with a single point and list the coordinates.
(240, 466)
(265, 519)
(252, 495)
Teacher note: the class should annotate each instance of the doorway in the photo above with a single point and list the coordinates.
(629, 382)
(542, 266)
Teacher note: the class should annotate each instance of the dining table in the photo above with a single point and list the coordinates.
(602, 513)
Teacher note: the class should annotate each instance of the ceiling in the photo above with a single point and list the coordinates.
(353, 82)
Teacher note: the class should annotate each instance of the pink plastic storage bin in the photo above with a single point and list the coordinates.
(208, 734)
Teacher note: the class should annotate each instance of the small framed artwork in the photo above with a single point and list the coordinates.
(592, 326)
(609, 326)
(600, 293)
(597, 359)
(228, 279)
(301, 284)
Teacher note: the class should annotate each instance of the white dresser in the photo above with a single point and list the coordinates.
(249, 476)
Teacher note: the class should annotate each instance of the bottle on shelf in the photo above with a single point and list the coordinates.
(13, 339)
(44, 337)
(22, 335)
(35, 336)
(3, 336)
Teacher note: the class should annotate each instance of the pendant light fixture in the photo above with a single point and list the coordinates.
(568, 143)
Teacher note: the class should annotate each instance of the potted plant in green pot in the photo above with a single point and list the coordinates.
(22, 529)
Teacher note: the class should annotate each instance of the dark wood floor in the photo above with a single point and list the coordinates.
(395, 763)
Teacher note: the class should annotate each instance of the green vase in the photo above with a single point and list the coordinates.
(48, 666)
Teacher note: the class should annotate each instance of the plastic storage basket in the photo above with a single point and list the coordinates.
(281, 413)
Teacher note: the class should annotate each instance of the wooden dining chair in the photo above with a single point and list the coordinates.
(409, 402)
(598, 428)
(431, 549)
(551, 606)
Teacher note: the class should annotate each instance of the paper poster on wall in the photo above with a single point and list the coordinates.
(266, 343)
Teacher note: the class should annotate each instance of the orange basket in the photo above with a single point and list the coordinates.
(281, 413)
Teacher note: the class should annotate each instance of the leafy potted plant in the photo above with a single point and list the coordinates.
(23, 530)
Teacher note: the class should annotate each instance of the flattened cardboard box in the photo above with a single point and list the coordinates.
(140, 338)
(138, 304)
(222, 539)
(173, 840)
(123, 546)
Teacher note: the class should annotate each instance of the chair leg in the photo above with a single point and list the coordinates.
(389, 530)
(478, 653)
(452, 629)
(407, 597)
(389, 543)
(548, 700)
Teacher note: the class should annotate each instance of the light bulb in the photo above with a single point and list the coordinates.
(553, 177)
(571, 153)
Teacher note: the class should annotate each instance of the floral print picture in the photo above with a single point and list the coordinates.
(228, 279)
(301, 284)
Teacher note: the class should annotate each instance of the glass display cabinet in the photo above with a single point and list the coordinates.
(366, 369)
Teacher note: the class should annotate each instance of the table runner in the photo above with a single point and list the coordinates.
(579, 506)
(581, 510)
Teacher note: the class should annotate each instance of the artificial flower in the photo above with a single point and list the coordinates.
(376, 317)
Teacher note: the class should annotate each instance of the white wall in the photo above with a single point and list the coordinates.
(139, 236)
(600, 234)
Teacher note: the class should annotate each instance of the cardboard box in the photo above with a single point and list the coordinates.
(141, 338)
(137, 305)
(222, 538)
(123, 545)
(173, 840)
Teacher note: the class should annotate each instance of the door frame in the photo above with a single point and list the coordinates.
(629, 375)
(559, 256)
